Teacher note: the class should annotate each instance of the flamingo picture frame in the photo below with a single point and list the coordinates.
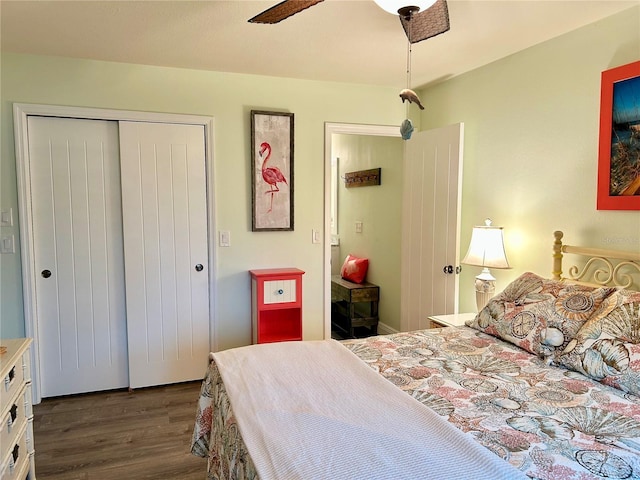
(271, 171)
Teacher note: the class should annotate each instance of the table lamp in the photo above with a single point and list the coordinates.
(486, 250)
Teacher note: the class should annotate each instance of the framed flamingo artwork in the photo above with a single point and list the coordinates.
(619, 152)
(271, 171)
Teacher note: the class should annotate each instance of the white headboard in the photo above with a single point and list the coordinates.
(597, 266)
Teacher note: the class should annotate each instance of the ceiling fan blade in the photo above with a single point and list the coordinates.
(283, 10)
(433, 21)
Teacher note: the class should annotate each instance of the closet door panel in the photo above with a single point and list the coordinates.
(77, 237)
(166, 257)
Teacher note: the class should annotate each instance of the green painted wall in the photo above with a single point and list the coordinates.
(228, 98)
(531, 139)
(531, 146)
(379, 208)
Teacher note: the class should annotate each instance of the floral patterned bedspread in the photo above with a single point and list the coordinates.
(216, 435)
(547, 421)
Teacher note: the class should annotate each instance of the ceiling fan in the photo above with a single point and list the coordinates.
(421, 19)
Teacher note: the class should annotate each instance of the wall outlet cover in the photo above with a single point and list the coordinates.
(7, 244)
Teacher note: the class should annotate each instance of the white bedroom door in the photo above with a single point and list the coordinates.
(166, 253)
(78, 254)
(430, 225)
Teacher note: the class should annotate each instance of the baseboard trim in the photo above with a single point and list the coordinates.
(384, 329)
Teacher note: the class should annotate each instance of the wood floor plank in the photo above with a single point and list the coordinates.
(118, 435)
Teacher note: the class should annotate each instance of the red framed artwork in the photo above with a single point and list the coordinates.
(619, 150)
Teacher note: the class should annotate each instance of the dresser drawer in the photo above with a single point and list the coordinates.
(16, 417)
(16, 463)
(13, 381)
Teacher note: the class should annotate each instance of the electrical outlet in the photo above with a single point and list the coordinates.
(7, 244)
(358, 227)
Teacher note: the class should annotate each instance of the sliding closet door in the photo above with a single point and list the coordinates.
(166, 256)
(78, 254)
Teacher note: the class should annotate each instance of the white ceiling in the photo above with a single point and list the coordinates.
(337, 40)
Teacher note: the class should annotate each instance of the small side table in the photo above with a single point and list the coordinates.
(276, 304)
(354, 305)
(452, 320)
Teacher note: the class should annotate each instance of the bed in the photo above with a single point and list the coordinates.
(543, 383)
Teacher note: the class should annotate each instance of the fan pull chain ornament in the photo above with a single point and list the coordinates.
(411, 97)
(406, 129)
(408, 94)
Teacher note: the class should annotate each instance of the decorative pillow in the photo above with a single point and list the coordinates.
(539, 315)
(607, 347)
(354, 269)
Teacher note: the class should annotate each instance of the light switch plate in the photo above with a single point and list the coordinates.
(315, 236)
(6, 217)
(224, 239)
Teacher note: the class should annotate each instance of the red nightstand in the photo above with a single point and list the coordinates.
(276, 304)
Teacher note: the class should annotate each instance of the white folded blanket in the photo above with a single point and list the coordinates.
(314, 411)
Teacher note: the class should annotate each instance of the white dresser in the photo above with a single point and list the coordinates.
(16, 412)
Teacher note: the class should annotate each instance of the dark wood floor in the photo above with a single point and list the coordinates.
(118, 435)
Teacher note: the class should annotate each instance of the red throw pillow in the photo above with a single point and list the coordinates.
(354, 269)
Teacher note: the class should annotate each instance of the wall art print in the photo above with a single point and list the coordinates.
(619, 152)
(271, 171)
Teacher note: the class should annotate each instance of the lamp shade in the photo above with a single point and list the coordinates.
(486, 248)
(393, 6)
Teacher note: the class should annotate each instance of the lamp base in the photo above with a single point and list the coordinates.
(485, 288)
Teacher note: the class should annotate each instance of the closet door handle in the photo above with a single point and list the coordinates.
(199, 267)
(45, 273)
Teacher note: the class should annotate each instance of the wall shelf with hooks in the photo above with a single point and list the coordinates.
(362, 178)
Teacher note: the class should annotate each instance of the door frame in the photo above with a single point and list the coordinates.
(347, 129)
(21, 112)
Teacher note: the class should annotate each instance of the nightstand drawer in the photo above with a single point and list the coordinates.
(279, 291)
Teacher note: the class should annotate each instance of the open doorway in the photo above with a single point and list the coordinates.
(358, 146)
(430, 225)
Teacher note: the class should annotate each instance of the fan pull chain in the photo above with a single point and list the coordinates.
(410, 22)
(409, 59)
